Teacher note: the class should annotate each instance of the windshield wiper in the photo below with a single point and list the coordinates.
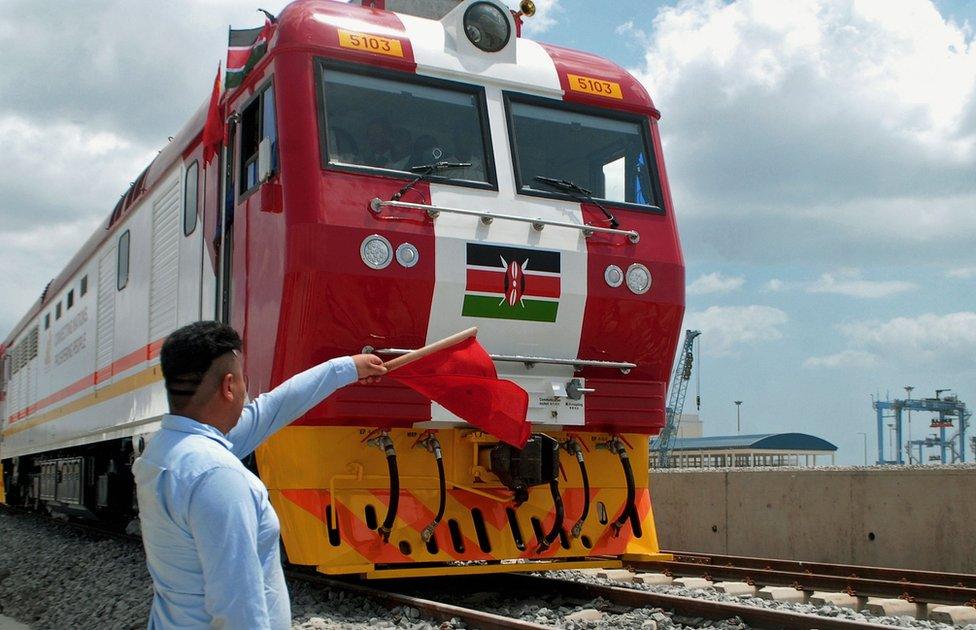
(579, 193)
(425, 171)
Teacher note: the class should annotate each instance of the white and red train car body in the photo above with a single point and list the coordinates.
(295, 235)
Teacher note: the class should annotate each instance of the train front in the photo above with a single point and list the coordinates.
(438, 174)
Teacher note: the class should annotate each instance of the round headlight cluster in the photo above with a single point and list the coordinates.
(638, 278)
(486, 26)
(376, 252)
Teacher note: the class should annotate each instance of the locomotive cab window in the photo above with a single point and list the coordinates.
(387, 124)
(606, 155)
(257, 125)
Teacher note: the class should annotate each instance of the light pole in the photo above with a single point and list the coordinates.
(891, 441)
(738, 417)
(908, 390)
(865, 436)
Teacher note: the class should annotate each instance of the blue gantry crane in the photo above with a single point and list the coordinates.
(951, 413)
(676, 401)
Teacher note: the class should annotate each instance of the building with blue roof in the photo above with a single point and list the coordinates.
(743, 451)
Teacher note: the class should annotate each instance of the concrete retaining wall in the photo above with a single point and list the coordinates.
(910, 518)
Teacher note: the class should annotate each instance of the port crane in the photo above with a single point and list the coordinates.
(664, 443)
(950, 411)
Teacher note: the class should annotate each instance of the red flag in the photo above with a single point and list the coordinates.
(213, 129)
(462, 379)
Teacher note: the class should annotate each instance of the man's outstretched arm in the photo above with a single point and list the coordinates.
(269, 412)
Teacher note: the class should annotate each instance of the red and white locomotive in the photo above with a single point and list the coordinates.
(390, 175)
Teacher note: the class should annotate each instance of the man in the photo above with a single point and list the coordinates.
(210, 534)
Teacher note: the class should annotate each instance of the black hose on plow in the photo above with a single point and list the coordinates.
(434, 446)
(391, 511)
(629, 508)
(557, 523)
(578, 527)
(574, 448)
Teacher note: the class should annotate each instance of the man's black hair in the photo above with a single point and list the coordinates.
(188, 353)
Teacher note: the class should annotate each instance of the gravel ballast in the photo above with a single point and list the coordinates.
(53, 576)
(712, 595)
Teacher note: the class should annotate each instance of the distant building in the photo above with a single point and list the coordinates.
(690, 426)
(744, 451)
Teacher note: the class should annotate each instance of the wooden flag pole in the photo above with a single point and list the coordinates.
(420, 353)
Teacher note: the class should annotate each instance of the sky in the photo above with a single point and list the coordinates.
(821, 154)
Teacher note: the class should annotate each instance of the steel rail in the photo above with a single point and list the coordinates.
(693, 607)
(629, 597)
(875, 573)
(376, 206)
(864, 587)
(578, 364)
(433, 609)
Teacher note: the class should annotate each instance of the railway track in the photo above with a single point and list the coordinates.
(440, 599)
(915, 586)
(431, 609)
(615, 600)
(415, 593)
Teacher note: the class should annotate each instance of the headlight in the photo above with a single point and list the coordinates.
(487, 26)
(376, 251)
(614, 276)
(407, 255)
(638, 278)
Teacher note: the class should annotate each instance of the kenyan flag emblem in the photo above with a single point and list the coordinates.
(511, 283)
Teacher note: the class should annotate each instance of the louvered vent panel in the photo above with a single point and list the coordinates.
(13, 395)
(33, 346)
(31, 387)
(164, 278)
(105, 332)
(20, 391)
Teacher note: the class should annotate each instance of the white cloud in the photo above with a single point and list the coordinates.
(850, 283)
(726, 328)
(63, 171)
(834, 129)
(946, 340)
(943, 341)
(31, 258)
(845, 359)
(775, 285)
(715, 283)
(962, 273)
(844, 281)
(630, 30)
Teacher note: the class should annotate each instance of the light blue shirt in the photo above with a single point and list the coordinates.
(210, 534)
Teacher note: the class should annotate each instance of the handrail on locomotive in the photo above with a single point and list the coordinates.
(376, 206)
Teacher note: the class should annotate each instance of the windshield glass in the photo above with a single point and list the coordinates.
(392, 125)
(607, 156)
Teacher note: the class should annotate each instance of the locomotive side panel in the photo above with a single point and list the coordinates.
(97, 365)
